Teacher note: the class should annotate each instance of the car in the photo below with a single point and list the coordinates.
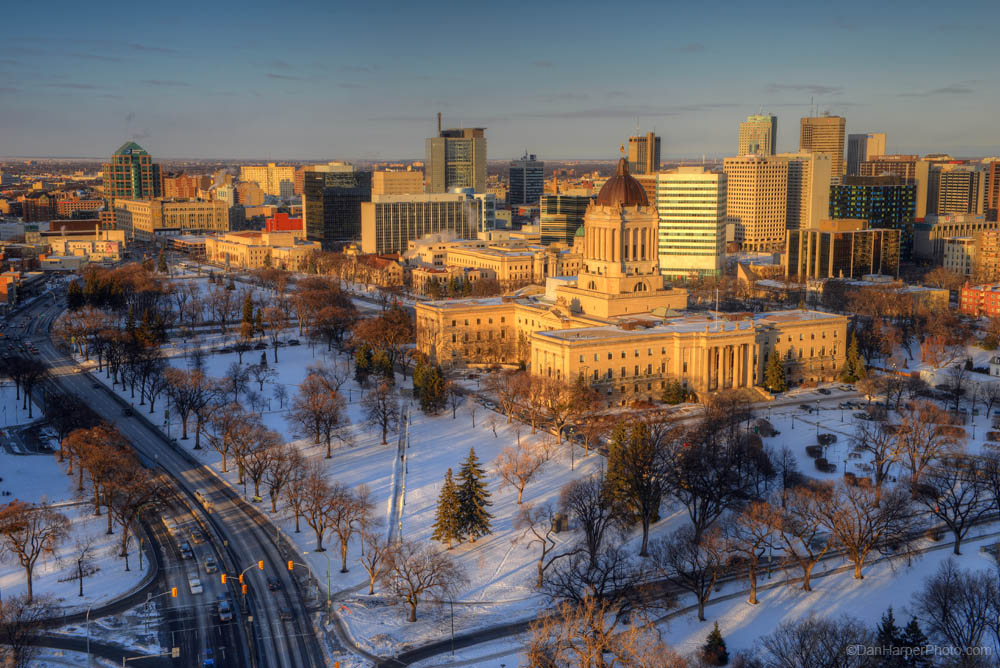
(293, 342)
(195, 585)
(95, 386)
(823, 390)
(285, 614)
(210, 565)
(274, 584)
(185, 551)
(260, 346)
(196, 537)
(128, 412)
(209, 659)
(805, 407)
(225, 611)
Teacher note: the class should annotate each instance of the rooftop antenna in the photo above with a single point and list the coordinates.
(812, 111)
(439, 123)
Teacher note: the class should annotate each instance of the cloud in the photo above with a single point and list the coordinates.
(358, 69)
(144, 134)
(279, 65)
(92, 56)
(73, 86)
(626, 112)
(616, 93)
(546, 64)
(8, 61)
(566, 97)
(948, 27)
(350, 85)
(812, 89)
(8, 89)
(951, 89)
(129, 117)
(163, 82)
(112, 96)
(693, 47)
(154, 49)
(283, 77)
(845, 23)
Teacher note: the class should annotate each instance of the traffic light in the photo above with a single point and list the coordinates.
(260, 564)
(223, 578)
(241, 578)
(244, 590)
(290, 564)
(173, 592)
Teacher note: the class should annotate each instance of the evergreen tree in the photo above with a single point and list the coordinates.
(446, 524)
(854, 365)
(263, 358)
(888, 635)
(714, 652)
(74, 295)
(674, 393)
(258, 321)
(431, 389)
(130, 322)
(247, 322)
(473, 499)
(914, 639)
(232, 285)
(362, 363)
(161, 263)
(774, 374)
(382, 366)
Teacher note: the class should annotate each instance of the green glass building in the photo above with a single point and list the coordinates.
(131, 174)
(886, 202)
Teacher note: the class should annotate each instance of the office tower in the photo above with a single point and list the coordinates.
(248, 193)
(863, 147)
(757, 200)
(527, 181)
(824, 134)
(644, 154)
(131, 174)
(456, 158)
(331, 203)
(886, 202)
(390, 222)
(758, 134)
(561, 217)
(992, 189)
(269, 177)
(809, 178)
(487, 211)
(840, 249)
(958, 189)
(397, 182)
(692, 230)
(910, 168)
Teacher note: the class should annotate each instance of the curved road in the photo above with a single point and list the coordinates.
(278, 624)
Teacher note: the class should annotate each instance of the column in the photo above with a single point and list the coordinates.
(707, 366)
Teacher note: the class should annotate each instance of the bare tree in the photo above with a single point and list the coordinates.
(537, 526)
(380, 408)
(507, 387)
(134, 491)
(317, 502)
(21, 620)
(28, 531)
(989, 393)
(235, 381)
(280, 393)
(295, 490)
(818, 642)
(333, 375)
(861, 523)
(586, 500)
(693, 566)
(275, 321)
(879, 441)
(261, 373)
(516, 467)
(418, 570)
(956, 491)
(801, 527)
(284, 461)
(319, 412)
(260, 459)
(750, 534)
(224, 305)
(958, 607)
(925, 434)
(348, 512)
(455, 397)
(377, 556)
(228, 424)
(83, 557)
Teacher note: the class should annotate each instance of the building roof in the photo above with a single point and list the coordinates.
(580, 232)
(131, 148)
(622, 189)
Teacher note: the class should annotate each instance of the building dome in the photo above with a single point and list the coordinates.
(580, 232)
(622, 189)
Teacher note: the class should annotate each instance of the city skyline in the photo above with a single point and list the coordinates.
(235, 84)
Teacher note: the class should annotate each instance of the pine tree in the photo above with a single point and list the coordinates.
(714, 652)
(774, 374)
(263, 359)
(674, 392)
(473, 499)
(888, 635)
(446, 525)
(914, 639)
(854, 366)
(258, 321)
(362, 363)
(161, 263)
(382, 366)
(246, 324)
(432, 390)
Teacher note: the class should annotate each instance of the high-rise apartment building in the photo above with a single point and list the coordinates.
(644, 154)
(809, 178)
(758, 134)
(131, 174)
(527, 180)
(840, 249)
(824, 134)
(757, 200)
(958, 188)
(862, 147)
(332, 195)
(184, 186)
(390, 222)
(692, 231)
(269, 177)
(910, 168)
(456, 158)
(397, 182)
(561, 217)
(884, 201)
(992, 189)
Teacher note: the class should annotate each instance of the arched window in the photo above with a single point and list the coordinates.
(639, 287)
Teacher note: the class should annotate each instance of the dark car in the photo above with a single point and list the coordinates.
(293, 342)
(285, 614)
(823, 390)
(261, 346)
(128, 412)
(96, 386)
(805, 407)
(274, 584)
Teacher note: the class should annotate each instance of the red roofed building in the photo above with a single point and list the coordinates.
(280, 222)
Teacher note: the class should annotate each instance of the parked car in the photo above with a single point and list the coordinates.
(128, 412)
(293, 342)
(805, 407)
(823, 390)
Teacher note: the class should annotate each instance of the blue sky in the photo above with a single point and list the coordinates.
(326, 80)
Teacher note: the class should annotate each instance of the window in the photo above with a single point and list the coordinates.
(623, 372)
(636, 372)
(636, 352)
(623, 354)
(595, 357)
(453, 323)
(581, 359)
(609, 355)
(685, 367)
(453, 337)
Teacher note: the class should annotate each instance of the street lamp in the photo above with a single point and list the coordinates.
(326, 553)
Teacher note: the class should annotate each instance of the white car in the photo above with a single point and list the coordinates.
(195, 585)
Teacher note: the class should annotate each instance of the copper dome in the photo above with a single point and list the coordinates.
(622, 189)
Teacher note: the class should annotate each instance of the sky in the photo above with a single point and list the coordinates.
(330, 80)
